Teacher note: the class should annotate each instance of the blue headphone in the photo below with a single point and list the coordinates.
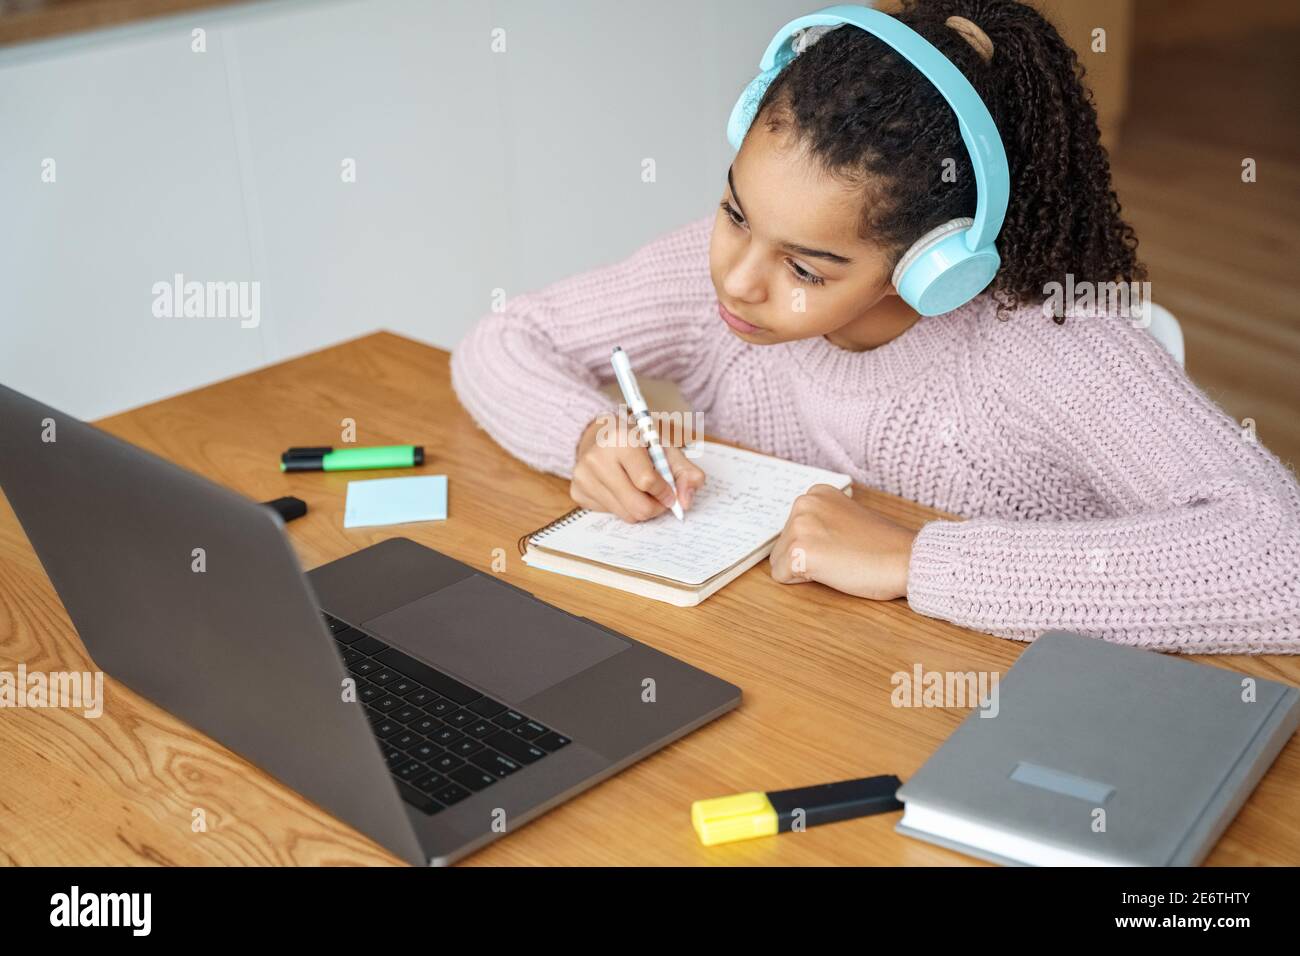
(951, 264)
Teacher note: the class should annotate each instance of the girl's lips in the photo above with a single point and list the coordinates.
(737, 323)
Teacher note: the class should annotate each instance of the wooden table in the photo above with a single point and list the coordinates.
(814, 664)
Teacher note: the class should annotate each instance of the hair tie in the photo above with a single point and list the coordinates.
(973, 35)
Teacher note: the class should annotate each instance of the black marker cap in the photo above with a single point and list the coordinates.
(831, 802)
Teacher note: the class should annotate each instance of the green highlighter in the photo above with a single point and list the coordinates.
(352, 459)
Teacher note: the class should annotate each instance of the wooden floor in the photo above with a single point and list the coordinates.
(1223, 253)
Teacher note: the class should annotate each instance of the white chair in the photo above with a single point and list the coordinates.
(1167, 331)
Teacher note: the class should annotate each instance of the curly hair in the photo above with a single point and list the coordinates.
(868, 118)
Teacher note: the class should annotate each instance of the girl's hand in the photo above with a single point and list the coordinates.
(830, 538)
(621, 478)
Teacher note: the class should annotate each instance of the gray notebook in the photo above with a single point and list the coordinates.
(1100, 754)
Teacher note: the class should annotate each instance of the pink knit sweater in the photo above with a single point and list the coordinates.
(1104, 492)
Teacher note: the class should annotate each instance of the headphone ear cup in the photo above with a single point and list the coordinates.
(926, 242)
(742, 114)
(938, 273)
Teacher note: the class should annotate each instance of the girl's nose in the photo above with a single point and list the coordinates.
(744, 280)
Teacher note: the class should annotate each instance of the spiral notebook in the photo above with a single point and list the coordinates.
(731, 526)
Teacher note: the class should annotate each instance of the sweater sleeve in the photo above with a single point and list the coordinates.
(530, 374)
(1197, 544)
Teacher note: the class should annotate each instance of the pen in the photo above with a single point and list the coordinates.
(644, 421)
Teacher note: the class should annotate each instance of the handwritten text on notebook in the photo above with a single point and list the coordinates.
(742, 506)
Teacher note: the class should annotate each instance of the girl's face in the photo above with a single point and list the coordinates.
(786, 260)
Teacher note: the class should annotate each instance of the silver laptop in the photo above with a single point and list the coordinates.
(429, 705)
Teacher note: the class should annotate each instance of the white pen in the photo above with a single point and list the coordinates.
(645, 422)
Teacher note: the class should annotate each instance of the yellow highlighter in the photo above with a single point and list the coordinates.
(742, 816)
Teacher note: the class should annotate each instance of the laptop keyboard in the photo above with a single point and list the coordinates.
(442, 740)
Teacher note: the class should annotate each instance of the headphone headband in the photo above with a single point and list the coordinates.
(978, 131)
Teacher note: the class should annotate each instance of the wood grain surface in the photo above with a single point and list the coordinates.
(815, 665)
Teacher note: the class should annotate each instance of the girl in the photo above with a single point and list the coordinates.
(1104, 492)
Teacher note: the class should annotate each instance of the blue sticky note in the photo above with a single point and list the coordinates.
(395, 500)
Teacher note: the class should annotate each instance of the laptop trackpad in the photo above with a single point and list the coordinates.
(493, 636)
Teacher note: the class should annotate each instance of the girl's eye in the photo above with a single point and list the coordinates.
(805, 276)
(800, 274)
(732, 214)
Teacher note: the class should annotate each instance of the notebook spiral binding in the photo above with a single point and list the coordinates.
(549, 527)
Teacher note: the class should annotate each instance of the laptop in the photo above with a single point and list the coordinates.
(431, 706)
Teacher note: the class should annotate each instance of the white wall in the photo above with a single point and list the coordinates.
(475, 170)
